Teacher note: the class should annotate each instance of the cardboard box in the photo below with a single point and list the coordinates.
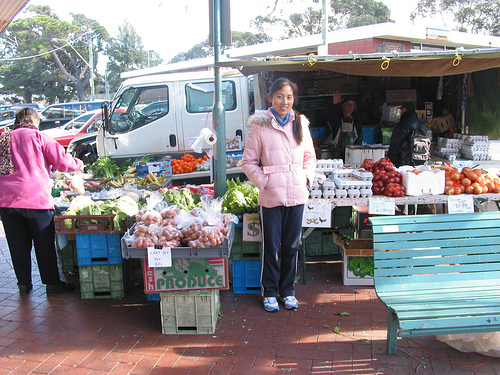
(441, 124)
(398, 97)
(158, 167)
(421, 115)
(354, 155)
(251, 228)
(357, 261)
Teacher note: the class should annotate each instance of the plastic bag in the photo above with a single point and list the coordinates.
(487, 343)
(206, 139)
(77, 183)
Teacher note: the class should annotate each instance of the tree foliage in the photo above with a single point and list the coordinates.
(126, 53)
(478, 16)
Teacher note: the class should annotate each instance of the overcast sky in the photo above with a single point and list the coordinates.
(170, 27)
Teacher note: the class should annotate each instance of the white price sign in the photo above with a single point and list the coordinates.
(160, 257)
(460, 204)
(381, 206)
(317, 214)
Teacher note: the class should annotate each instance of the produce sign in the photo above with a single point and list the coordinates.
(386, 180)
(186, 274)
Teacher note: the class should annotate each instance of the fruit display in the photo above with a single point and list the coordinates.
(187, 163)
(469, 181)
(386, 179)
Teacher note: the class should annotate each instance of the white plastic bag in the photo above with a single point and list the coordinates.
(487, 343)
(77, 183)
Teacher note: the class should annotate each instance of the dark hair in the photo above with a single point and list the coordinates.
(26, 115)
(296, 126)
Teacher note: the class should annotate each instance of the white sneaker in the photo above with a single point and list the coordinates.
(290, 302)
(270, 304)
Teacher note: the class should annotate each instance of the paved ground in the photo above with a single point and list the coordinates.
(67, 335)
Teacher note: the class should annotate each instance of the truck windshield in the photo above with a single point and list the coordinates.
(138, 106)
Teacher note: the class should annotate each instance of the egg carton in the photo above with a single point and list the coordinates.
(477, 156)
(475, 138)
(316, 194)
(327, 165)
(352, 183)
(447, 150)
(329, 194)
(341, 193)
(362, 174)
(451, 156)
(353, 193)
(477, 146)
(450, 143)
(341, 172)
(328, 185)
(365, 193)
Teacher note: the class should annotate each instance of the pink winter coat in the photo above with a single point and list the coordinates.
(34, 154)
(274, 162)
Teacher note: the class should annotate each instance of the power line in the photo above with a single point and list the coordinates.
(45, 53)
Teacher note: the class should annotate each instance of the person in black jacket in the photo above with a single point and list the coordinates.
(399, 149)
(345, 129)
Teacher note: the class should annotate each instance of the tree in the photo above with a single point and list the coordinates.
(198, 51)
(126, 53)
(354, 13)
(50, 56)
(479, 16)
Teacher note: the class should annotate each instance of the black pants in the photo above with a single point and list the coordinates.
(24, 227)
(281, 233)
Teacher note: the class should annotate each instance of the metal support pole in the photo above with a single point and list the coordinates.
(91, 67)
(218, 113)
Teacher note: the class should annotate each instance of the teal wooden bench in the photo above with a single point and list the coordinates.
(438, 274)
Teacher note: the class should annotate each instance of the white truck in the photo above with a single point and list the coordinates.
(164, 114)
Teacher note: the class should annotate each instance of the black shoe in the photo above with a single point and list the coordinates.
(24, 290)
(60, 287)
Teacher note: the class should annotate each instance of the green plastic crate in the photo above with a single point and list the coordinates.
(103, 281)
(314, 243)
(191, 312)
(69, 259)
(244, 250)
(341, 217)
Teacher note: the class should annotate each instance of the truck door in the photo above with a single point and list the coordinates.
(142, 122)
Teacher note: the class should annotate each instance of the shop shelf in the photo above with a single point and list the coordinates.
(192, 312)
(103, 281)
(246, 276)
(98, 248)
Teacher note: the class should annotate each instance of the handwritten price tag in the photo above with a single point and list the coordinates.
(460, 204)
(381, 206)
(160, 257)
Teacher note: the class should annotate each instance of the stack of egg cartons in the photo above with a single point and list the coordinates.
(324, 187)
(475, 147)
(448, 148)
(352, 183)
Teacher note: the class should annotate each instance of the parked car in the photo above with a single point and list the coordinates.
(59, 114)
(89, 122)
(84, 148)
(7, 116)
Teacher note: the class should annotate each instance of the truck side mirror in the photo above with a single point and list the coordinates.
(105, 111)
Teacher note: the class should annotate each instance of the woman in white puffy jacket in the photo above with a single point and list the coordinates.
(280, 159)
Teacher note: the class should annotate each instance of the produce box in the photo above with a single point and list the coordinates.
(69, 260)
(192, 312)
(426, 181)
(186, 274)
(67, 224)
(98, 248)
(159, 167)
(441, 124)
(246, 276)
(183, 251)
(103, 281)
(357, 261)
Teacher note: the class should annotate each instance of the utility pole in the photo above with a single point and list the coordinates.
(218, 113)
(91, 66)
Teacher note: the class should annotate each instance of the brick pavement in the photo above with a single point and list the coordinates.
(67, 335)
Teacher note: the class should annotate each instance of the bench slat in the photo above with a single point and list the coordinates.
(470, 321)
(416, 260)
(431, 240)
(441, 310)
(431, 218)
(446, 331)
(433, 251)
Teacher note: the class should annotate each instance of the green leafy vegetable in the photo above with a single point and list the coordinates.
(183, 198)
(104, 167)
(240, 198)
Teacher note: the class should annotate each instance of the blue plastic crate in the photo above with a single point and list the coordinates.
(246, 276)
(369, 134)
(98, 248)
(153, 297)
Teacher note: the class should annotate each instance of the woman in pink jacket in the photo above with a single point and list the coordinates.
(279, 159)
(26, 207)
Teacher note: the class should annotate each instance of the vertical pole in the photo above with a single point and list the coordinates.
(91, 67)
(218, 113)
